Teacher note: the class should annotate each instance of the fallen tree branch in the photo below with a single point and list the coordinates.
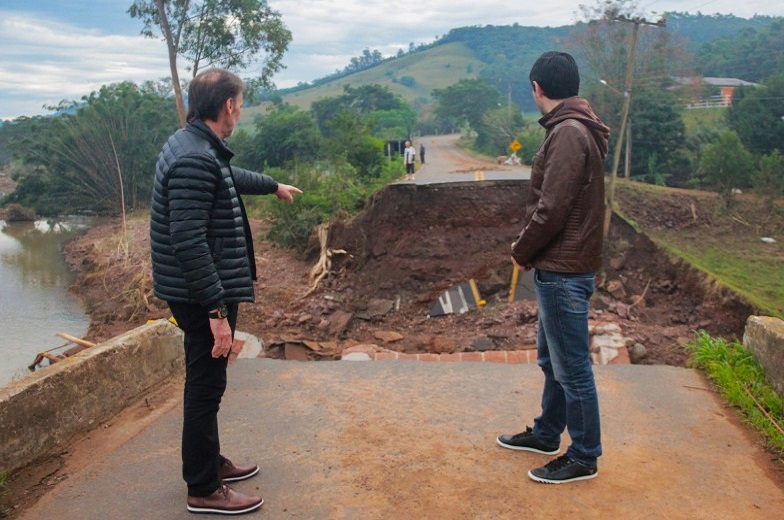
(764, 411)
(699, 388)
(54, 358)
(738, 219)
(642, 296)
(74, 339)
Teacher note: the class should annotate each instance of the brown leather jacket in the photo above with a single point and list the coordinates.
(563, 227)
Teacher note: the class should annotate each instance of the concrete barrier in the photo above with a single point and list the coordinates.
(42, 413)
(764, 337)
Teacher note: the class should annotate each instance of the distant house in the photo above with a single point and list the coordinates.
(726, 87)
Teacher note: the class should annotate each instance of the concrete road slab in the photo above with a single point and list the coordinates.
(414, 440)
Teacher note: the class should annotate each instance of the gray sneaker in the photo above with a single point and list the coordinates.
(561, 470)
(526, 441)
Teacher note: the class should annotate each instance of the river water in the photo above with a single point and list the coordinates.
(34, 300)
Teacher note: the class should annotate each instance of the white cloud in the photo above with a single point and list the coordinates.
(336, 30)
(43, 60)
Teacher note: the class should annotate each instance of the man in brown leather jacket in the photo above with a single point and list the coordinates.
(561, 240)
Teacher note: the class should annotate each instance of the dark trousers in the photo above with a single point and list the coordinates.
(205, 383)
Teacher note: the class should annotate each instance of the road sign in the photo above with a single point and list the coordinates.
(515, 146)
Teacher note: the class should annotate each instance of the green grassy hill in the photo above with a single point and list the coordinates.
(437, 67)
(433, 68)
(503, 54)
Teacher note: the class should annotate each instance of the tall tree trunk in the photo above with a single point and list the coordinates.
(172, 47)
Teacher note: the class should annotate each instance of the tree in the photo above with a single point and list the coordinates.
(367, 60)
(100, 157)
(467, 101)
(226, 33)
(603, 44)
(657, 130)
(769, 179)
(364, 101)
(12, 133)
(393, 124)
(343, 130)
(727, 165)
(757, 115)
(498, 129)
(531, 138)
(750, 54)
(655, 174)
(368, 98)
(366, 155)
(284, 135)
(511, 80)
(627, 53)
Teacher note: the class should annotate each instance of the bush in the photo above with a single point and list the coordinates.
(367, 156)
(530, 139)
(331, 189)
(769, 179)
(739, 376)
(407, 81)
(727, 165)
(18, 213)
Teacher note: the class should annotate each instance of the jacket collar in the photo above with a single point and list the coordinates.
(198, 127)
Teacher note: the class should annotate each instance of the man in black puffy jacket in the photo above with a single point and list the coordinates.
(203, 266)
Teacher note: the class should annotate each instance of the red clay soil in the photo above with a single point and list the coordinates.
(410, 244)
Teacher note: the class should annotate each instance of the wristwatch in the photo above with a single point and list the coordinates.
(220, 313)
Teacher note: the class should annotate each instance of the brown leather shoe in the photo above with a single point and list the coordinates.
(224, 501)
(229, 472)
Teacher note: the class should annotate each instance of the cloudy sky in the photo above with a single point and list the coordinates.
(53, 50)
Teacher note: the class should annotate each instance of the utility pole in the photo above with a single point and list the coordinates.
(627, 157)
(509, 98)
(627, 100)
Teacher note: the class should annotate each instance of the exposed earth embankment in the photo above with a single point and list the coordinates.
(408, 245)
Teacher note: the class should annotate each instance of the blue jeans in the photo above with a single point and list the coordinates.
(569, 399)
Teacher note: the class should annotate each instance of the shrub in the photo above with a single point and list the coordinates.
(407, 81)
(18, 213)
(331, 189)
(739, 376)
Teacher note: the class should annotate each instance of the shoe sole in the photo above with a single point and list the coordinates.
(242, 477)
(565, 481)
(209, 510)
(524, 448)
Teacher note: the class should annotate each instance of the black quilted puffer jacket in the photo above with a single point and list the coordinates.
(200, 241)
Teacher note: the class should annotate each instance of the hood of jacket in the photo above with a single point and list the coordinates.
(578, 108)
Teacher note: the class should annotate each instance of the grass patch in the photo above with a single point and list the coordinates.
(437, 67)
(739, 376)
(4, 492)
(715, 117)
(758, 279)
(726, 245)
